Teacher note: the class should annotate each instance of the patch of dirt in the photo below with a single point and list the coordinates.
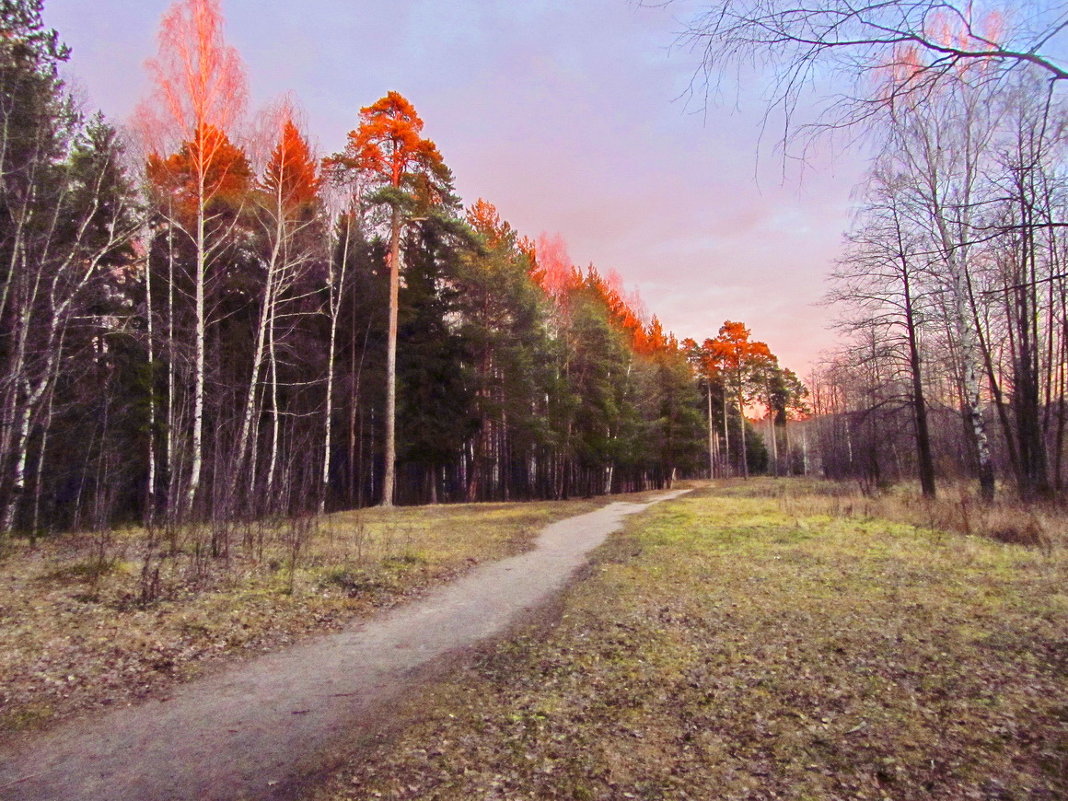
(77, 635)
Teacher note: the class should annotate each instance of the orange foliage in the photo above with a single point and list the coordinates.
(627, 315)
(552, 270)
(732, 350)
(529, 249)
(292, 173)
(226, 172)
(387, 142)
(700, 358)
(199, 80)
(703, 358)
(655, 339)
(620, 313)
(486, 220)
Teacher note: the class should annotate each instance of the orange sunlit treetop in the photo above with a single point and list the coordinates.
(292, 174)
(388, 143)
(226, 171)
(733, 350)
(199, 79)
(486, 220)
(552, 269)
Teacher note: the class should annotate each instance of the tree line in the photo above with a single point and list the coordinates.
(200, 324)
(953, 289)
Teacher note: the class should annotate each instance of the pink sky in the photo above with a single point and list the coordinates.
(567, 116)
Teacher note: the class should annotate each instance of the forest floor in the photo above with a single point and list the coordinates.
(765, 640)
(252, 729)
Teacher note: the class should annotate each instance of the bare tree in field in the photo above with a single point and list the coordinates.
(940, 148)
(1023, 233)
(928, 77)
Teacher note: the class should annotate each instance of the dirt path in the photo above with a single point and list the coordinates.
(245, 732)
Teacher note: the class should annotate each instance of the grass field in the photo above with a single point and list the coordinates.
(93, 620)
(759, 641)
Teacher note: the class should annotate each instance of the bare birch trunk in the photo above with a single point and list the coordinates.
(272, 360)
(150, 502)
(266, 313)
(336, 294)
(201, 329)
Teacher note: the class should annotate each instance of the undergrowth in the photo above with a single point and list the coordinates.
(955, 509)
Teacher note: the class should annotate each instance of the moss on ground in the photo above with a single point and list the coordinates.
(736, 645)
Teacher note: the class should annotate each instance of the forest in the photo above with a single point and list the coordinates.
(951, 288)
(226, 360)
(201, 319)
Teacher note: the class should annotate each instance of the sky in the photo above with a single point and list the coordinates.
(574, 117)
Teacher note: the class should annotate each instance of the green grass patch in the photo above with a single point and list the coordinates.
(735, 644)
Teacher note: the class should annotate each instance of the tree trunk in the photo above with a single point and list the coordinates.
(924, 461)
(388, 474)
(711, 435)
(336, 295)
(198, 375)
(741, 426)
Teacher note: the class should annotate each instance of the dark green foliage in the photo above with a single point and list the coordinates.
(435, 412)
(68, 361)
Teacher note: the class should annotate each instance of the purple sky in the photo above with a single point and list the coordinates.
(565, 114)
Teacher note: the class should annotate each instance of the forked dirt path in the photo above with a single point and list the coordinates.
(246, 732)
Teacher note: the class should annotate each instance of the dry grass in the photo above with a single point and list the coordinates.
(94, 620)
(956, 509)
(736, 644)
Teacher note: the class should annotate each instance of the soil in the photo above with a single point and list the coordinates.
(246, 733)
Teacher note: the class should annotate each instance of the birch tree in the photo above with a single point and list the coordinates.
(885, 280)
(286, 208)
(199, 94)
(66, 221)
(940, 148)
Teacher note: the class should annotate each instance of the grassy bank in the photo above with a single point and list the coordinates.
(94, 620)
(751, 642)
